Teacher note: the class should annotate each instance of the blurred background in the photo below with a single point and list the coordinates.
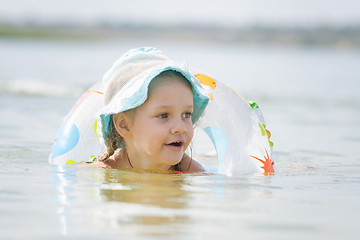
(229, 13)
(277, 21)
(283, 54)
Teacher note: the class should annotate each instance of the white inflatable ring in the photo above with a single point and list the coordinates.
(235, 126)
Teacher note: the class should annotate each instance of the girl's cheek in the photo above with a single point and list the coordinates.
(191, 132)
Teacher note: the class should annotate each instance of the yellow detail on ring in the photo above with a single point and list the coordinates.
(70, 162)
(265, 132)
(95, 129)
(235, 91)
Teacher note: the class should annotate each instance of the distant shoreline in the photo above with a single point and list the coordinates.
(328, 36)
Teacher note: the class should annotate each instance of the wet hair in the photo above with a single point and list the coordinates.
(115, 141)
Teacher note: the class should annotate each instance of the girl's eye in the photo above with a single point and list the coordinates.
(187, 115)
(163, 115)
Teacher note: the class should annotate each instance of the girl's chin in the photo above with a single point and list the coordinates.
(173, 161)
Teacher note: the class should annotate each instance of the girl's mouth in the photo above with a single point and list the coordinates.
(177, 145)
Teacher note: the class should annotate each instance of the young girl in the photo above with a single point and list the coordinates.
(151, 105)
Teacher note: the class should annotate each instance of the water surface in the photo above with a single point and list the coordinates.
(309, 98)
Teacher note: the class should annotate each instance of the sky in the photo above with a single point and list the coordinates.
(223, 12)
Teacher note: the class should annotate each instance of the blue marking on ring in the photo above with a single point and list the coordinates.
(218, 138)
(66, 139)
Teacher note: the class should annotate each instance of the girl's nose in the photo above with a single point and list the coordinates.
(178, 126)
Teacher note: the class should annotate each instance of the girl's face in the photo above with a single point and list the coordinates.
(162, 128)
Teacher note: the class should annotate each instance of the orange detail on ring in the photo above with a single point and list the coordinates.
(206, 80)
(85, 93)
(268, 164)
(268, 133)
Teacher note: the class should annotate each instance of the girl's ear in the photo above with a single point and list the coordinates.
(121, 123)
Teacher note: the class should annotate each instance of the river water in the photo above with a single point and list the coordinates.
(309, 97)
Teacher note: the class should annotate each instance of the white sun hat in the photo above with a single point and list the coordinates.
(127, 82)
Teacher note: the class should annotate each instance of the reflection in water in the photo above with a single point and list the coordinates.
(105, 199)
(64, 180)
(95, 201)
(157, 189)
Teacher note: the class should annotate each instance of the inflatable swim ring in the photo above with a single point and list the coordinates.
(235, 126)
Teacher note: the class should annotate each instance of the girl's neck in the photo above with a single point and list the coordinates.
(127, 156)
(129, 162)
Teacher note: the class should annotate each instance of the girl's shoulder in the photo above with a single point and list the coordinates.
(101, 164)
(189, 165)
(116, 161)
(111, 162)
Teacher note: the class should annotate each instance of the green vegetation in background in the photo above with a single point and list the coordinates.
(36, 32)
(343, 37)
